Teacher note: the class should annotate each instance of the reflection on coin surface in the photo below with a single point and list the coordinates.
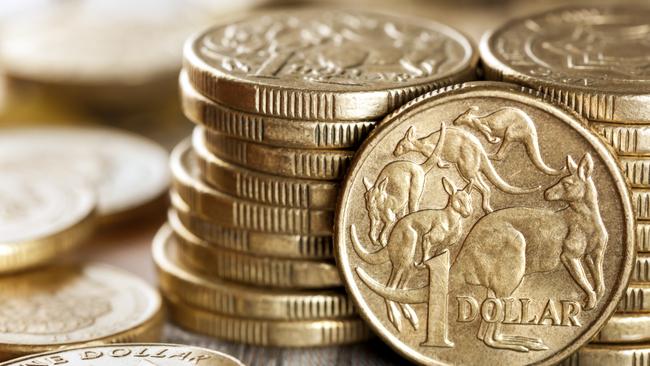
(127, 170)
(326, 64)
(42, 216)
(594, 60)
(131, 354)
(73, 305)
(515, 247)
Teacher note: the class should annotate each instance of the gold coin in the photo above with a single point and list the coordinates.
(268, 129)
(626, 139)
(641, 271)
(252, 242)
(637, 171)
(590, 59)
(324, 64)
(636, 299)
(643, 236)
(237, 213)
(132, 354)
(641, 199)
(522, 270)
(287, 162)
(274, 333)
(126, 170)
(251, 269)
(263, 188)
(609, 355)
(73, 305)
(42, 216)
(229, 298)
(625, 328)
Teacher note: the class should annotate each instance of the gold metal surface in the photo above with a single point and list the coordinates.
(625, 328)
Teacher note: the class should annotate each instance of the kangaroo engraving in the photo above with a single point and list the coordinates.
(531, 240)
(509, 126)
(465, 151)
(431, 231)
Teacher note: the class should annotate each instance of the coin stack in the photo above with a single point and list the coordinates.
(281, 101)
(587, 59)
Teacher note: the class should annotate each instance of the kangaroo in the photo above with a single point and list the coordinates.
(466, 152)
(530, 240)
(435, 230)
(507, 125)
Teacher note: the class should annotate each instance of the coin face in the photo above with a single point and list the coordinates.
(41, 216)
(132, 354)
(496, 249)
(75, 304)
(126, 170)
(325, 64)
(595, 60)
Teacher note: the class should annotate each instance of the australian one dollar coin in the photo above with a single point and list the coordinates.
(481, 225)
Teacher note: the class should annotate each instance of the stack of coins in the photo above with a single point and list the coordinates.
(281, 101)
(592, 60)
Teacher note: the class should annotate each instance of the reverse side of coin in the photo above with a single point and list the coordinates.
(260, 243)
(486, 262)
(74, 305)
(131, 354)
(287, 162)
(252, 269)
(229, 298)
(126, 170)
(325, 64)
(267, 129)
(237, 213)
(274, 333)
(42, 216)
(263, 188)
(591, 59)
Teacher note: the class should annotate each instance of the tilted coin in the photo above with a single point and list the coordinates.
(641, 271)
(130, 354)
(641, 199)
(626, 139)
(229, 298)
(252, 269)
(609, 355)
(643, 236)
(636, 299)
(127, 171)
(42, 216)
(260, 187)
(591, 59)
(274, 245)
(324, 64)
(268, 129)
(287, 162)
(234, 212)
(625, 328)
(514, 250)
(73, 305)
(275, 333)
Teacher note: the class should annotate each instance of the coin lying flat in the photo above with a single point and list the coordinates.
(42, 216)
(275, 333)
(252, 269)
(625, 328)
(592, 59)
(131, 354)
(608, 355)
(477, 272)
(273, 245)
(267, 129)
(237, 213)
(263, 188)
(326, 64)
(74, 305)
(636, 299)
(126, 170)
(229, 298)
(287, 162)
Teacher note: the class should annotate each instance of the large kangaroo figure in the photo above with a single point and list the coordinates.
(457, 146)
(507, 125)
(432, 231)
(508, 244)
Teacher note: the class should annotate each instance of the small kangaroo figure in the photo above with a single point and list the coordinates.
(430, 230)
(507, 125)
(574, 236)
(466, 152)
